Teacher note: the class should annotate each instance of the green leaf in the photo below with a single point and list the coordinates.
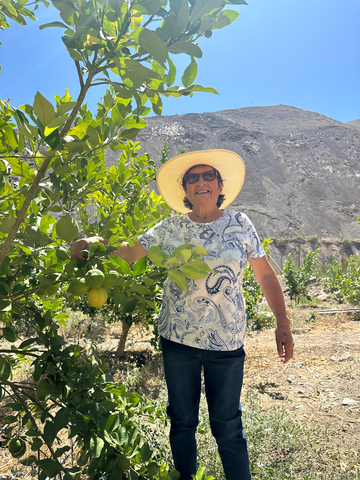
(60, 451)
(43, 109)
(190, 73)
(53, 24)
(180, 10)
(198, 251)
(236, 2)
(177, 250)
(50, 467)
(139, 289)
(36, 444)
(65, 107)
(226, 18)
(46, 222)
(203, 7)
(191, 272)
(149, 41)
(120, 263)
(8, 332)
(171, 76)
(179, 278)
(185, 47)
(185, 254)
(147, 6)
(157, 256)
(134, 122)
(200, 265)
(75, 55)
(5, 306)
(200, 88)
(96, 446)
(19, 167)
(5, 370)
(139, 267)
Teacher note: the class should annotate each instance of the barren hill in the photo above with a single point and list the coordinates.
(302, 168)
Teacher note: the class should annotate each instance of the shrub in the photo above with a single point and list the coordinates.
(299, 279)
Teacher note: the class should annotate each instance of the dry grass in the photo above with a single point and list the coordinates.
(295, 420)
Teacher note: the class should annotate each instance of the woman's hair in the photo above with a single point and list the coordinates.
(221, 197)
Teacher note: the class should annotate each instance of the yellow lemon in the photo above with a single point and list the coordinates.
(97, 297)
(94, 278)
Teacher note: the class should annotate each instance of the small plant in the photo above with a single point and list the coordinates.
(311, 318)
(299, 279)
(313, 239)
(344, 280)
(251, 289)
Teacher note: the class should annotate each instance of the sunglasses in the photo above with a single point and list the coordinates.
(207, 176)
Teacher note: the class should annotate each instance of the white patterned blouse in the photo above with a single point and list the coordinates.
(211, 314)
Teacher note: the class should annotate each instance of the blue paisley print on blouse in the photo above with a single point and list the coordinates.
(211, 314)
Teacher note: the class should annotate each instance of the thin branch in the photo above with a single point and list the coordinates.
(148, 21)
(20, 352)
(81, 80)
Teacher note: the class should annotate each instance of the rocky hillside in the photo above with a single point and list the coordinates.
(302, 169)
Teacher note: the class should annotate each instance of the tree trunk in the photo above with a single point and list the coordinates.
(124, 333)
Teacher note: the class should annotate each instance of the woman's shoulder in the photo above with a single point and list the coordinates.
(236, 216)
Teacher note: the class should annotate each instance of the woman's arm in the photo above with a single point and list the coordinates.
(127, 253)
(269, 283)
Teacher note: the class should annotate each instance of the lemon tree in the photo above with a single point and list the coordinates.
(52, 169)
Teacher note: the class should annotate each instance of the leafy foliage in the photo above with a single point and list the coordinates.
(299, 279)
(52, 173)
(344, 280)
(252, 291)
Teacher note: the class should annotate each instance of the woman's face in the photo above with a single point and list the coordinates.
(203, 194)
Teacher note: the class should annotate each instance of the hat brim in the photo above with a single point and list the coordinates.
(169, 177)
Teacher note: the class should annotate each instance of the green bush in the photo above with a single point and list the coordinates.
(344, 280)
(298, 280)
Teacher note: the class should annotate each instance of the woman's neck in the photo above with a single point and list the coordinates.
(199, 216)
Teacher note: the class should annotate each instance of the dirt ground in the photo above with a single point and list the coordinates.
(321, 383)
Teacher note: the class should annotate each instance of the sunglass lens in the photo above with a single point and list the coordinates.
(194, 177)
(209, 176)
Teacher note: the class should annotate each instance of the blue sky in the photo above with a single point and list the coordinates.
(290, 52)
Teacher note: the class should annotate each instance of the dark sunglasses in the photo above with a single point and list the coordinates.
(208, 176)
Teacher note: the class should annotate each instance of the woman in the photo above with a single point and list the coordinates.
(204, 327)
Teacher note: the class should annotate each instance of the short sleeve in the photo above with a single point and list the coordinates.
(154, 236)
(254, 249)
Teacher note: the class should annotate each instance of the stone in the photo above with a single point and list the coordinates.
(349, 402)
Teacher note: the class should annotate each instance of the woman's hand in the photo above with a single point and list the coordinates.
(81, 245)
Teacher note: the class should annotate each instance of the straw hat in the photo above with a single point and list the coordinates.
(169, 177)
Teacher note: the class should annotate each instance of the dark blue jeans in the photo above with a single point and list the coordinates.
(223, 374)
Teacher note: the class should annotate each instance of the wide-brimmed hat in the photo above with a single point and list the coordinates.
(169, 177)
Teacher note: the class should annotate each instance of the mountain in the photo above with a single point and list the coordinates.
(302, 168)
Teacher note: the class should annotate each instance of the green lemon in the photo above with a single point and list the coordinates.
(67, 228)
(78, 287)
(97, 297)
(94, 278)
(153, 469)
(61, 254)
(111, 279)
(43, 389)
(17, 447)
(122, 462)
